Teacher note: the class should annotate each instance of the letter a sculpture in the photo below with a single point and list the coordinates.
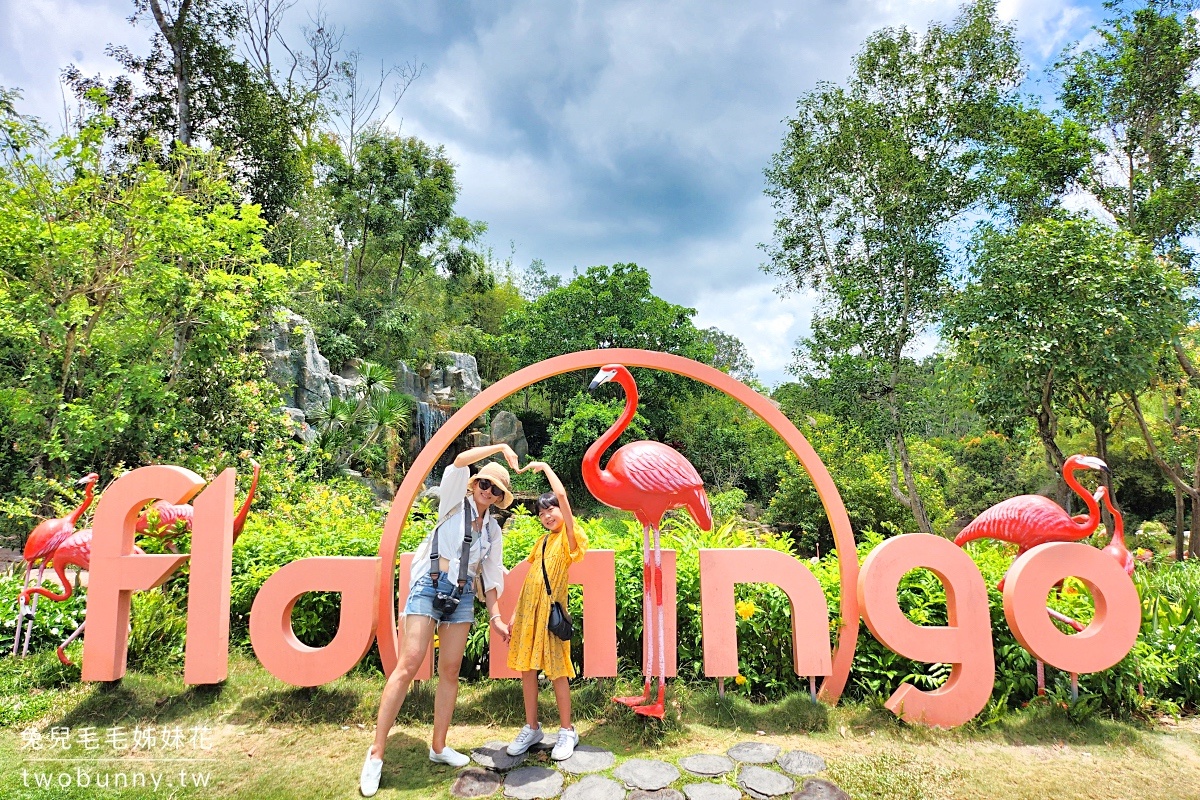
(649, 479)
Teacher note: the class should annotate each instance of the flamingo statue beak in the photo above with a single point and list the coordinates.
(605, 375)
(86, 479)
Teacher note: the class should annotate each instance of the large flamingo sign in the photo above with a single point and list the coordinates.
(369, 604)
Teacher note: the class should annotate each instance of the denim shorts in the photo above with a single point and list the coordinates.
(420, 599)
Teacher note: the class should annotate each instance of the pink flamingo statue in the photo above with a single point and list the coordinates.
(39, 547)
(1030, 520)
(649, 479)
(76, 551)
(175, 519)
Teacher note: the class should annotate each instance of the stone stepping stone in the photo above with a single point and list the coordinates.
(475, 782)
(707, 766)
(641, 773)
(762, 783)
(594, 787)
(530, 783)
(660, 794)
(546, 744)
(817, 789)
(588, 759)
(753, 752)
(799, 762)
(494, 755)
(711, 791)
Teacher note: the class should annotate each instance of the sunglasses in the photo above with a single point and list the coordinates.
(488, 486)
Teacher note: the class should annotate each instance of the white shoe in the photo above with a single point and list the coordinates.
(449, 756)
(368, 779)
(526, 739)
(565, 746)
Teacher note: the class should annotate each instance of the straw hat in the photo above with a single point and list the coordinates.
(498, 475)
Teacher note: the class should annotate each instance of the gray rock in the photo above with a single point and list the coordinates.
(711, 791)
(640, 773)
(459, 378)
(508, 429)
(296, 366)
(494, 755)
(817, 789)
(588, 759)
(706, 765)
(753, 752)
(660, 794)
(799, 762)
(303, 431)
(761, 783)
(530, 783)
(594, 787)
(475, 782)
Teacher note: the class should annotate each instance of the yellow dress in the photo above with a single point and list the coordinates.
(532, 647)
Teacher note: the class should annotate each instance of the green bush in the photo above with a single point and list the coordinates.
(52, 623)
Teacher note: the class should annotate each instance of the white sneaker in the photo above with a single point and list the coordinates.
(526, 739)
(449, 756)
(565, 746)
(368, 779)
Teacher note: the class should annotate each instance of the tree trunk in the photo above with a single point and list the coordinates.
(1193, 539)
(172, 31)
(914, 498)
(1178, 524)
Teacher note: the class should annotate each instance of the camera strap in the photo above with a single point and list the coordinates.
(464, 558)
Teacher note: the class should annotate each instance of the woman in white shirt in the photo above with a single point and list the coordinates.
(441, 597)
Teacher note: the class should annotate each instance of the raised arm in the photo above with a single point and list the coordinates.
(468, 457)
(564, 505)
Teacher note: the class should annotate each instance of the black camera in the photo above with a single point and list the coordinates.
(446, 604)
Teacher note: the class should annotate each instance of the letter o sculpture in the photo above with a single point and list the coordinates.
(843, 536)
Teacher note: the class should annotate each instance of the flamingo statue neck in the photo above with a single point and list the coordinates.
(598, 481)
(239, 521)
(1093, 516)
(87, 501)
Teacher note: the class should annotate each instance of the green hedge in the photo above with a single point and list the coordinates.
(341, 521)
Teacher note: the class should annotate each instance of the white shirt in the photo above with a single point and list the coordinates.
(487, 551)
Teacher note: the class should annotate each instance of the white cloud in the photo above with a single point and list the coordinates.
(765, 322)
(44, 36)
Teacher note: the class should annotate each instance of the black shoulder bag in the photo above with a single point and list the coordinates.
(560, 624)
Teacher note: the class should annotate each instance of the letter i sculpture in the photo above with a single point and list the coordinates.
(649, 479)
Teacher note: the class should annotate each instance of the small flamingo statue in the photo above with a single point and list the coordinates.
(649, 479)
(39, 549)
(165, 520)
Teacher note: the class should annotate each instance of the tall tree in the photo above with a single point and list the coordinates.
(1136, 91)
(1065, 315)
(869, 182)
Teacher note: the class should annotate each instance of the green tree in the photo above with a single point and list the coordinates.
(1135, 90)
(126, 303)
(608, 307)
(1065, 315)
(869, 182)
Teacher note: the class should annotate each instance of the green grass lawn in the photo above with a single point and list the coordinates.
(254, 736)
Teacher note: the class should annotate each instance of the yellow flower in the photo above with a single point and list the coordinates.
(740, 680)
(746, 609)
(436, 641)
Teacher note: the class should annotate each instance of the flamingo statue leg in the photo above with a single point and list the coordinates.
(1041, 677)
(637, 700)
(61, 651)
(31, 611)
(657, 708)
(21, 610)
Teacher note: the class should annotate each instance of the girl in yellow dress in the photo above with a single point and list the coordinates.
(532, 647)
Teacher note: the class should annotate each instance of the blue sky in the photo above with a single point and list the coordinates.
(591, 133)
